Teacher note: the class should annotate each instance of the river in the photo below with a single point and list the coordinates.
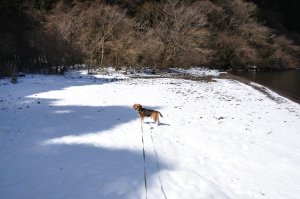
(286, 83)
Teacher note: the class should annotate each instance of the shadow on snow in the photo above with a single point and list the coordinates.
(62, 170)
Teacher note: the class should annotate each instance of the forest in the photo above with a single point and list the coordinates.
(47, 36)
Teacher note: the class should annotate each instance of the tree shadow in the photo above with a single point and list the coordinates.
(54, 151)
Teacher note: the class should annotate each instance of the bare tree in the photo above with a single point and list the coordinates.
(180, 25)
(100, 27)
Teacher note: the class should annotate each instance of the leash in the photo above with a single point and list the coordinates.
(144, 157)
(158, 166)
(157, 163)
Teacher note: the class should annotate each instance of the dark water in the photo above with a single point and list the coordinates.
(284, 82)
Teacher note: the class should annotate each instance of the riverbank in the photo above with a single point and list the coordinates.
(77, 136)
(285, 83)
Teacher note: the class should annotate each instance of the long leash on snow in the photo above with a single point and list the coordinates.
(157, 165)
(144, 157)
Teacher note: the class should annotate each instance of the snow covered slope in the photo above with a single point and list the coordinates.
(77, 136)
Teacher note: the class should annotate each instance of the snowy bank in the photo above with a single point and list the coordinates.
(198, 72)
(77, 136)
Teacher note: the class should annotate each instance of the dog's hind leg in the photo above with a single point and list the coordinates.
(157, 120)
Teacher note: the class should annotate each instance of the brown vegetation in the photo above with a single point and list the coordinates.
(46, 36)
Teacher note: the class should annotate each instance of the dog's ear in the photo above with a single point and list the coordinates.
(139, 106)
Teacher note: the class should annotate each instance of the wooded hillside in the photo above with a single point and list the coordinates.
(41, 36)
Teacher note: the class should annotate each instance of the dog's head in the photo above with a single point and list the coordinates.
(137, 107)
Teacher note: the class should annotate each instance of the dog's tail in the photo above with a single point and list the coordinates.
(160, 114)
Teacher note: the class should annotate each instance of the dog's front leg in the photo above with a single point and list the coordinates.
(142, 120)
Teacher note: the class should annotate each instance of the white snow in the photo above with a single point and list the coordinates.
(77, 136)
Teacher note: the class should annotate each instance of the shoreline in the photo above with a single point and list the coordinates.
(248, 82)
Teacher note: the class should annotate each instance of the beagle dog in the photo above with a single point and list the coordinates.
(143, 112)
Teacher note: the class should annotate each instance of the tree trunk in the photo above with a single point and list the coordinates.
(102, 52)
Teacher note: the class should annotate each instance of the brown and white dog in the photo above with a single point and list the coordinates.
(143, 112)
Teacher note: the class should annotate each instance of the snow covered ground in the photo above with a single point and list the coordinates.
(77, 136)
